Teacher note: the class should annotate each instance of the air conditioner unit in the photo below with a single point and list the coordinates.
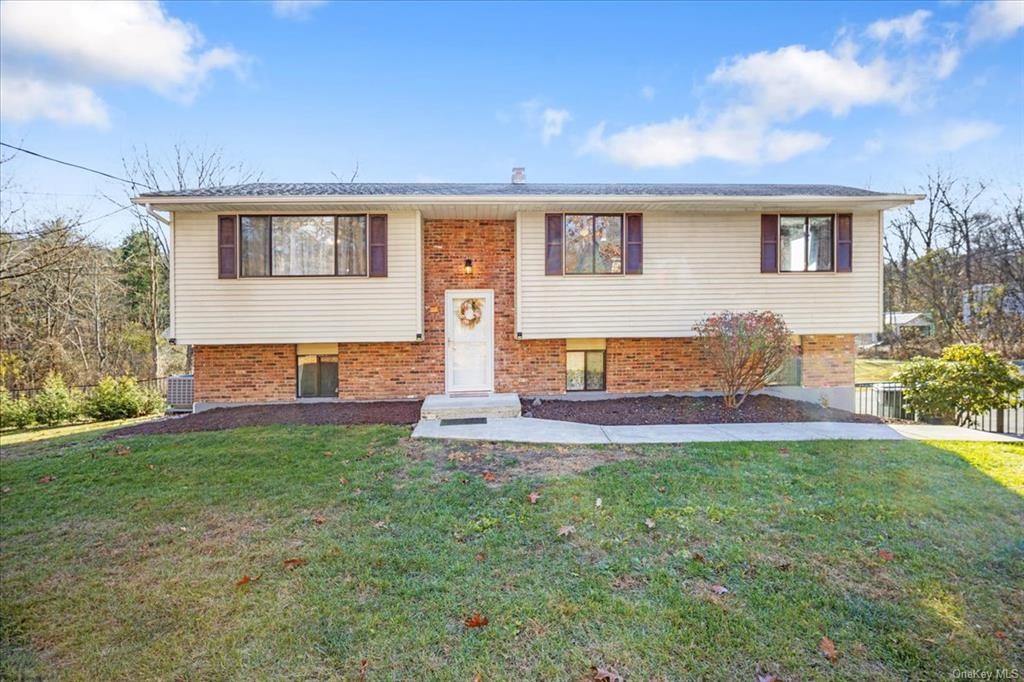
(179, 393)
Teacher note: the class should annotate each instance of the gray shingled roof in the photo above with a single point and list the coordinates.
(456, 189)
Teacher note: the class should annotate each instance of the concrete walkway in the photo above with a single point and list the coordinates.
(529, 430)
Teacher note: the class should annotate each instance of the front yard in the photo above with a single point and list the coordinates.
(121, 559)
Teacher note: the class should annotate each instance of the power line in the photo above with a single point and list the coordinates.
(133, 183)
(101, 217)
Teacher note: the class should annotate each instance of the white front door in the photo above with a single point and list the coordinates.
(469, 340)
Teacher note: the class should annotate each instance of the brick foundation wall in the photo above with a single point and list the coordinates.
(828, 360)
(244, 373)
(655, 365)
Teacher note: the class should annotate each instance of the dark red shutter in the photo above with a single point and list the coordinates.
(634, 243)
(553, 244)
(769, 243)
(227, 247)
(378, 246)
(844, 242)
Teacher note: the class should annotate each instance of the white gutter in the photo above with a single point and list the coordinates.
(153, 213)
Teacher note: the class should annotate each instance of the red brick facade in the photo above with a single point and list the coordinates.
(405, 370)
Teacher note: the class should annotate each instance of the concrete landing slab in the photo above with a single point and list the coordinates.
(468, 407)
(517, 429)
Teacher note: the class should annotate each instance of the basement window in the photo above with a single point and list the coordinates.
(585, 365)
(317, 376)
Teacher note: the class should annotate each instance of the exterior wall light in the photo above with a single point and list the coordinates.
(469, 266)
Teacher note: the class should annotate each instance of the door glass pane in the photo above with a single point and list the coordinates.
(792, 244)
(819, 248)
(307, 376)
(608, 236)
(574, 371)
(255, 242)
(352, 245)
(579, 243)
(595, 370)
(328, 376)
(303, 245)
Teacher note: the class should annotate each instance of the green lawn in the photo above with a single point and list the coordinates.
(124, 565)
(876, 370)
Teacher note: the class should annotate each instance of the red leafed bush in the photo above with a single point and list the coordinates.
(744, 349)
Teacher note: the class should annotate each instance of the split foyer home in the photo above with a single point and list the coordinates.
(366, 291)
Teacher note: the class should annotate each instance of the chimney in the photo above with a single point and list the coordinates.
(518, 176)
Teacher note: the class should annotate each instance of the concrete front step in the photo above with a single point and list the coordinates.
(470, 407)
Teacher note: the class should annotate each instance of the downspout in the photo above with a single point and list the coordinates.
(156, 215)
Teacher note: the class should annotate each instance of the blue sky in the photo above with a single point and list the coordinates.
(866, 94)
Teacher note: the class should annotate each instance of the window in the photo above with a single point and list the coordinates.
(303, 246)
(791, 371)
(593, 244)
(584, 370)
(317, 376)
(805, 243)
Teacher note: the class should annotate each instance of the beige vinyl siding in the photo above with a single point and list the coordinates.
(208, 310)
(696, 263)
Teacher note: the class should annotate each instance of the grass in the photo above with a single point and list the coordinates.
(39, 433)
(875, 370)
(124, 565)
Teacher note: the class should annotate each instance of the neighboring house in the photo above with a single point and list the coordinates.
(992, 297)
(896, 323)
(384, 291)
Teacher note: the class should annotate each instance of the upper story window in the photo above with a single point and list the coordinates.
(806, 243)
(593, 244)
(303, 245)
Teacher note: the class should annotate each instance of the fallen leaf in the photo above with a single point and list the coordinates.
(766, 678)
(246, 580)
(598, 503)
(607, 675)
(335, 551)
(343, 480)
(328, 453)
(48, 479)
(783, 451)
(121, 450)
(481, 556)
(885, 555)
(488, 476)
(566, 530)
(319, 520)
(5, 490)
(477, 678)
(293, 563)
(362, 669)
(649, 523)
(999, 634)
(533, 497)
(828, 649)
(720, 589)
(785, 565)
(699, 558)
(380, 524)
(475, 621)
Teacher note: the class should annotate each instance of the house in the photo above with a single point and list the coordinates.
(896, 323)
(364, 291)
(992, 298)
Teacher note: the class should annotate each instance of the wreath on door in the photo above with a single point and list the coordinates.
(470, 312)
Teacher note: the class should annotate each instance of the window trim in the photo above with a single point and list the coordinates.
(270, 242)
(593, 243)
(298, 365)
(604, 370)
(807, 221)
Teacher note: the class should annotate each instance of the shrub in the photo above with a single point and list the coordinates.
(14, 412)
(744, 350)
(55, 403)
(121, 398)
(963, 383)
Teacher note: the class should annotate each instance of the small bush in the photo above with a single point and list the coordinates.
(121, 398)
(744, 350)
(963, 383)
(14, 412)
(55, 403)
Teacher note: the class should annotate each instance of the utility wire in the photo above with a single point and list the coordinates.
(133, 183)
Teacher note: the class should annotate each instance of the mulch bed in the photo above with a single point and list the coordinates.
(687, 410)
(385, 412)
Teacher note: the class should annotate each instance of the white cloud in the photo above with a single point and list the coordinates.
(909, 28)
(648, 92)
(994, 20)
(959, 134)
(295, 9)
(130, 41)
(554, 121)
(22, 99)
(946, 62)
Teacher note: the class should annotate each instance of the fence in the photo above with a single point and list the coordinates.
(885, 399)
(159, 383)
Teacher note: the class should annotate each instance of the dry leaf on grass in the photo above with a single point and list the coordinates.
(319, 520)
(246, 579)
(489, 477)
(121, 450)
(291, 564)
(533, 497)
(47, 479)
(380, 524)
(328, 453)
(885, 555)
(999, 634)
(566, 530)
(607, 675)
(476, 621)
(649, 523)
(768, 677)
(481, 556)
(699, 558)
(828, 649)
(720, 589)
(598, 503)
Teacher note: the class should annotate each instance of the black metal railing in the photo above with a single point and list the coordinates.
(885, 400)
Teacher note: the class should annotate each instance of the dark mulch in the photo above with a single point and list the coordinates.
(687, 410)
(384, 412)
